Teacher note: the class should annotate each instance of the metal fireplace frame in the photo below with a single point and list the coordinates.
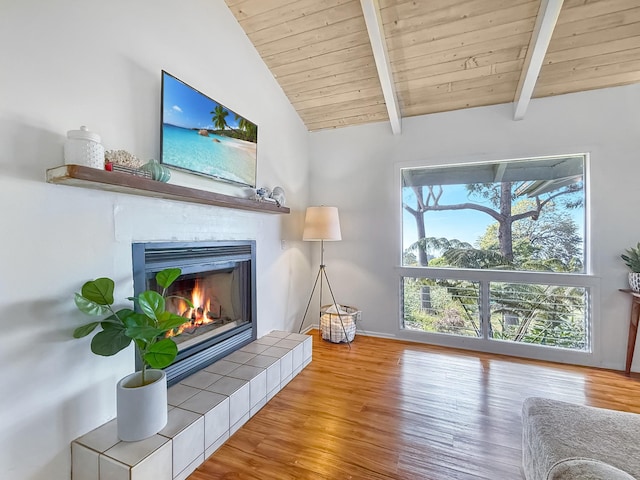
(151, 257)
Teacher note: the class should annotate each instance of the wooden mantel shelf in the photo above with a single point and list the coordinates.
(87, 177)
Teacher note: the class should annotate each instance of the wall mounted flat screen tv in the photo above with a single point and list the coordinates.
(202, 136)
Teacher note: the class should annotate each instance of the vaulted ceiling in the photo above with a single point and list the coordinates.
(349, 62)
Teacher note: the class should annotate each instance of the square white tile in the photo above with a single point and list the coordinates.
(201, 379)
(286, 379)
(287, 343)
(297, 356)
(216, 423)
(254, 348)
(239, 405)
(221, 367)
(102, 438)
(277, 333)
(277, 352)
(203, 402)
(246, 372)
(301, 337)
(239, 356)
(258, 389)
(216, 445)
(111, 469)
(273, 377)
(268, 340)
(186, 430)
(156, 466)
(85, 463)
(307, 348)
(257, 378)
(190, 468)
(239, 396)
(188, 445)
(257, 406)
(286, 365)
(272, 393)
(262, 361)
(178, 420)
(241, 421)
(180, 393)
(132, 453)
(227, 385)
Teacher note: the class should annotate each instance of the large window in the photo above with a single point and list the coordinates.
(496, 251)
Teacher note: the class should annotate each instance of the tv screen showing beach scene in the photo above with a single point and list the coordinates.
(201, 136)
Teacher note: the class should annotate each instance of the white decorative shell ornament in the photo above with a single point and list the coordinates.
(278, 196)
(262, 193)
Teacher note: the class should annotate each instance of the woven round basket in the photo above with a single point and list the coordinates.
(352, 311)
(339, 327)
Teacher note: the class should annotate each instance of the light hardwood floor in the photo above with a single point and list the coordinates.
(393, 409)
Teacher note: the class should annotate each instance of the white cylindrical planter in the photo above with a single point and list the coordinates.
(142, 410)
(634, 281)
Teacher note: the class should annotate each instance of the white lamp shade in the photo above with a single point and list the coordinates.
(322, 223)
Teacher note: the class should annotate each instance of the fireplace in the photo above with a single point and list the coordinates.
(219, 280)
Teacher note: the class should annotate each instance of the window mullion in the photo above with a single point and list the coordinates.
(485, 308)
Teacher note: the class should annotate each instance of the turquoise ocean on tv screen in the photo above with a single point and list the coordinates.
(215, 155)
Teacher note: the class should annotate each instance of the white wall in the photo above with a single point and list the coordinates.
(356, 168)
(70, 63)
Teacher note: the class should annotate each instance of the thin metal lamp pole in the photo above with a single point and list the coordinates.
(322, 273)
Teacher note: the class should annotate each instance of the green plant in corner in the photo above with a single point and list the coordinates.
(146, 327)
(632, 258)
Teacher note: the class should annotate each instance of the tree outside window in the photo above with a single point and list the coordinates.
(522, 215)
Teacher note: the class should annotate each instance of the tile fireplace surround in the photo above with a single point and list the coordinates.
(204, 410)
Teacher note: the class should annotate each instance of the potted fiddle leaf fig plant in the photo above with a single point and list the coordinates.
(141, 396)
(632, 260)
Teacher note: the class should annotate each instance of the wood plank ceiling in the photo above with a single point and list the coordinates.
(444, 54)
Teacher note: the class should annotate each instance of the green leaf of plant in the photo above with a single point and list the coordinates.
(115, 321)
(167, 276)
(89, 306)
(144, 333)
(111, 325)
(161, 354)
(137, 320)
(122, 316)
(151, 303)
(109, 341)
(85, 330)
(99, 291)
(168, 321)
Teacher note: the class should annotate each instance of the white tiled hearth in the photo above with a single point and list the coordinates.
(204, 410)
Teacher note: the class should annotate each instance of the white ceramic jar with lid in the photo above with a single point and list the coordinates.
(83, 147)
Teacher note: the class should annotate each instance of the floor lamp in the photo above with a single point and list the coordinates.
(322, 224)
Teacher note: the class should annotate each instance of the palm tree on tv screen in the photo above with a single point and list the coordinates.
(219, 117)
(249, 129)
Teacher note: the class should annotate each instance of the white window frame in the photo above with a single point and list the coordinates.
(584, 279)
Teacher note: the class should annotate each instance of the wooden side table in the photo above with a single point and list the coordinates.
(633, 326)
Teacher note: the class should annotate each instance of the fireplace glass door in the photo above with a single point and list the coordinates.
(218, 278)
(218, 298)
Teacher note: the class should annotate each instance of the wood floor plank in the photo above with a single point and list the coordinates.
(388, 409)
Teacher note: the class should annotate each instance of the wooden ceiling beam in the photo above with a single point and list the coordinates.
(371, 10)
(540, 38)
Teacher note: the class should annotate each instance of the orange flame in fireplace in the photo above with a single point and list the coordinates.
(199, 315)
